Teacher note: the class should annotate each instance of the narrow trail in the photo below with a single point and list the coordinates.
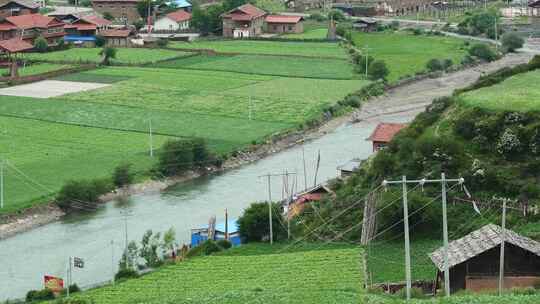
(415, 97)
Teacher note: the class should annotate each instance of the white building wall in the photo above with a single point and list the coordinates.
(166, 24)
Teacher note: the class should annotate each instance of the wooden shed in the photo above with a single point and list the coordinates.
(474, 260)
(383, 134)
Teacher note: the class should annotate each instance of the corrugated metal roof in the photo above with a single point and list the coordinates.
(479, 241)
(351, 165)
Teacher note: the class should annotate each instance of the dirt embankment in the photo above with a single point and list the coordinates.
(412, 97)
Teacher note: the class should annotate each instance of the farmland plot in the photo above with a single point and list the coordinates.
(327, 276)
(91, 55)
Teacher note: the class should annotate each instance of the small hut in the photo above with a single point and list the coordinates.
(365, 25)
(383, 134)
(474, 260)
(9, 50)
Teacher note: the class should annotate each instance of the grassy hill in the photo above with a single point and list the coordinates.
(255, 273)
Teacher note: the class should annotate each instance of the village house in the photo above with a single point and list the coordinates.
(30, 27)
(123, 11)
(69, 14)
(118, 37)
(365, 25)
(349, 168)
(243, 21)
(84, 29)
(278, 24)
(474, 260)
(173, 22)
(383, 134)
(16, 8)
(534, 8)
(301, 199)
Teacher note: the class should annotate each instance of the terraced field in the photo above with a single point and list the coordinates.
(311, 49)
(327, 275)
(91, 55)
(518, 93)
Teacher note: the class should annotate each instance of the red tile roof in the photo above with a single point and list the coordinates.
(33, 21)
(179, 16)
(245, 12)
(6, 26)
(15, 45)
(81, 26)
(96, 20)
(384, 132)
(116, 33)
(283, 19)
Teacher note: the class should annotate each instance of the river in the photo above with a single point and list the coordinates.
(99, 237)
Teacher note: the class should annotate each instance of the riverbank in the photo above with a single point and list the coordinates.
(408, 97)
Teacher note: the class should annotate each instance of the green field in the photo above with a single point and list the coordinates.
(386, 260)
(405, 54)
(268, 65)
(91, 55)
(41, 68)
(319, 33)
(311, 49)
(44, 155)
(517, 93)
(249, 274)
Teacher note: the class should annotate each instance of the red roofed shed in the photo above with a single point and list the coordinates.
(284, 24)
(14, 45)
(383, 134)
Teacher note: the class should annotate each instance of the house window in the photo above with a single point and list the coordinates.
(275, 27)
(290, 28)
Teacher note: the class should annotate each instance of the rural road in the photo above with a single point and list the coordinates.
(415, 97)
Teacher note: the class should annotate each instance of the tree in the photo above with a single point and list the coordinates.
(200, 152)
(447, 64)
(122, 175)
(107, 53)
(150, 244)
(254, 225)
(100, 41)
(81, 195)
(378, 70)
(176, 156)
(108, 16)
(511, 42)
(41, 45)
(231, 4)
(207, 20)
(337, 15)
(434, 65)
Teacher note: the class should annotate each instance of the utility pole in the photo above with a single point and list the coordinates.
(68, 277)
(112, 260)
(443, 181)
(151, 138)
(503, 237)
(2, 184)
(367, 59)
(226, 225)
(304, 161)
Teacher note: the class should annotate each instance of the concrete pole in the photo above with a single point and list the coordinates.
(445, 237)
(270, 210)
(2, 184)
(407, 240)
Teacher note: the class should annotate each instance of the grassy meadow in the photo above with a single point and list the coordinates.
(318, 33)
(268, 65)
(311, 49)
(91, 55)
(406, 54)
(517, 93)
(249, 274)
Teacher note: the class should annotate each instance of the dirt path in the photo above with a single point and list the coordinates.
(416, 96)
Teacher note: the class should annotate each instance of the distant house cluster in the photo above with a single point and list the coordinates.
(250, 21)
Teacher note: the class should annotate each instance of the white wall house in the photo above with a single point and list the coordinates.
(175, 21)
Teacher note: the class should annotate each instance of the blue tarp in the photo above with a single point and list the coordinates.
(73, 38)
(181, 3)
(201, 236)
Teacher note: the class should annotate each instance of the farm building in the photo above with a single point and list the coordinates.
(117, 37)
(310, 195)
(383, 134)
(244, 21)
(9, 49)
(534, 8)
(69, 14)
(365, 25)
(16, 8)
(474, 260)
(226, 230)
(123, 11)
(31, 26)
(279, 24)
(84, 29)
(173, 22)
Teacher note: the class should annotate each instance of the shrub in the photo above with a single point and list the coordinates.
(378, 70)
(337, 15)
(512, 42)
(162, 43)
(39, 295)
(318, 17)
(73, 288)
(108, 16)
(434, 65)
(41, 45)
(176, 157)
(126, 273)
(482, 51)
(447, 64)
(416, 293)
(254, 225)
(61, 43)
(100, 41)
(224, 244)
(418, 31)
(394, 25)
(509, 143)
(122, 175)
(81, 195)
(108, 53)
(207, 248)
(341, 31)
(361, 63)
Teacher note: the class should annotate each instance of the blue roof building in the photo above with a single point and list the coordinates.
(200, 235)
